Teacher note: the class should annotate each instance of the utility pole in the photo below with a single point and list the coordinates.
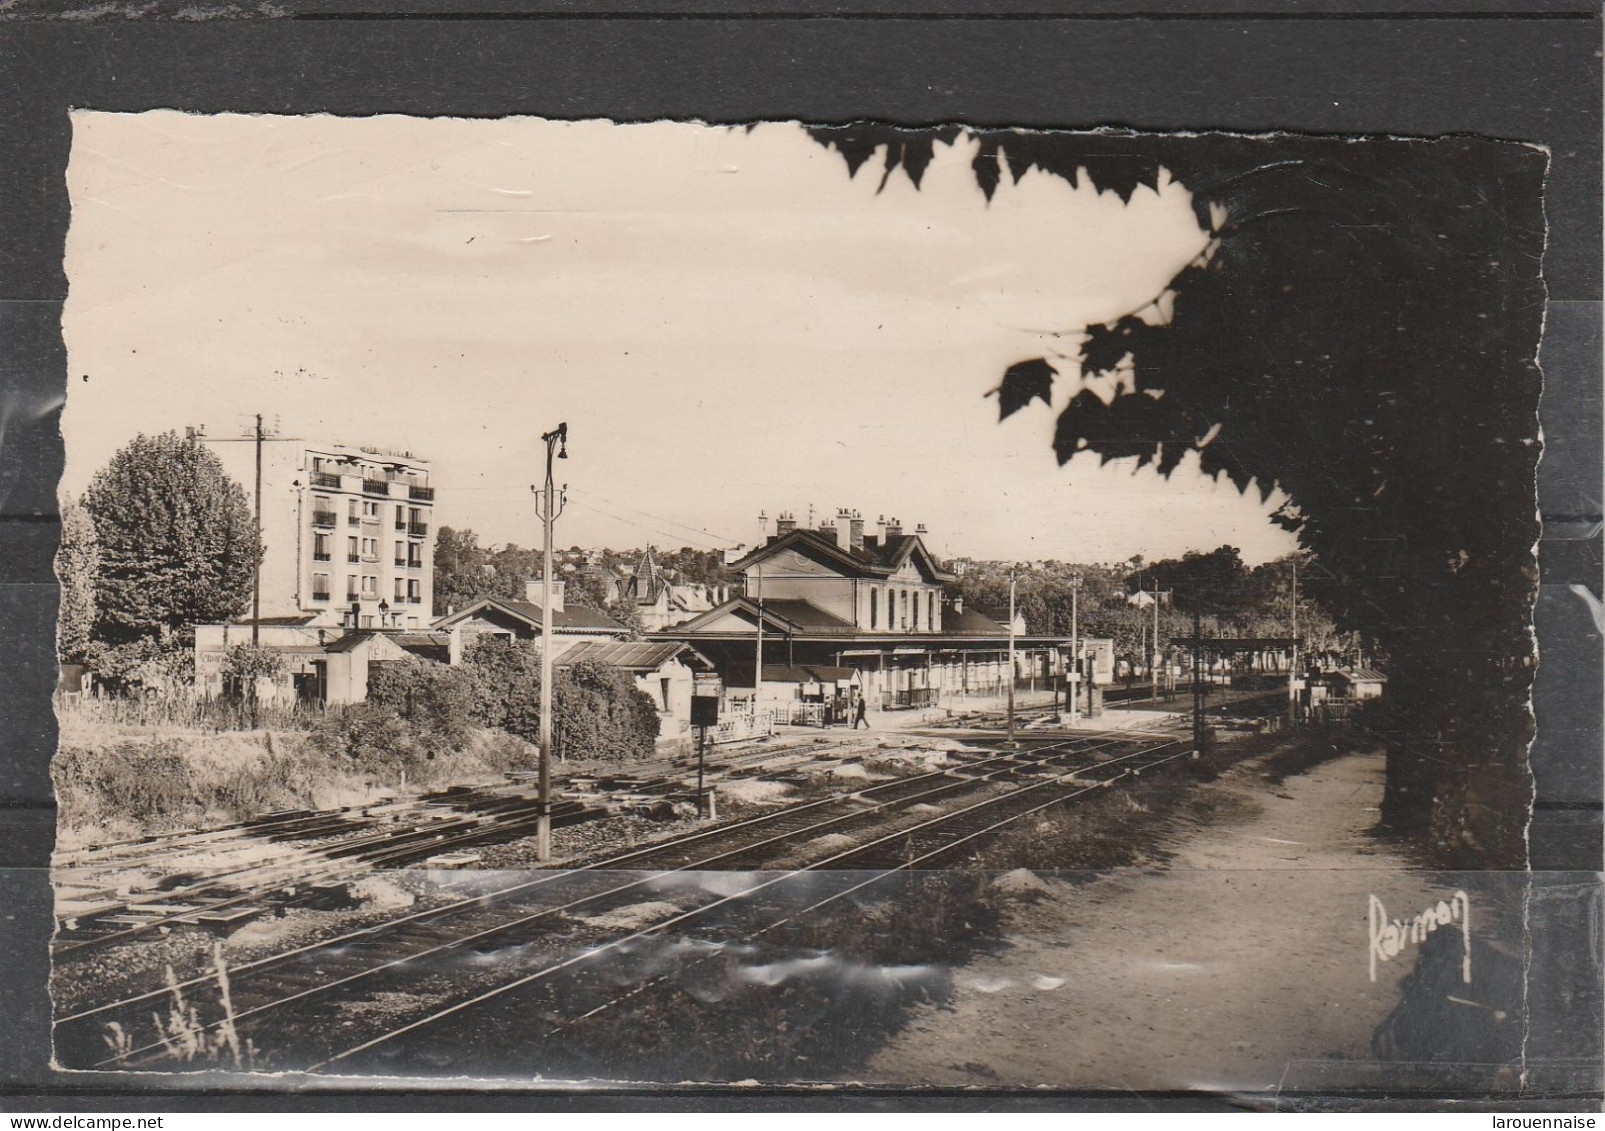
(1153, 666)
(1292, 671)
(1198, 682)
(256, 561)
(757, 660)
(1011, 656)
(1075, 646)
(551, 505)
(258, 436)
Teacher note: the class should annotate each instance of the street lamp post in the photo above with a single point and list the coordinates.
(551, 505)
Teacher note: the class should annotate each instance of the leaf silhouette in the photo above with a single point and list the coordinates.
(1022, 382)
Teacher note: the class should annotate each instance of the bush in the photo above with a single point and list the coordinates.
(146, 782)
(247, 663)
(370, 737)
(597, 711)
(437, 701)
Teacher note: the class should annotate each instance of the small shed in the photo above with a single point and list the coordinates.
(1358, 683)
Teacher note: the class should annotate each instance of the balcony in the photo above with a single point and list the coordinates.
(376, 487)
(353, 520)
(423, 494)
(325, 479)
(320, 594)
(353, 559)
(324, 518)
(401, 563)
(415, 600)
(372, 558)
(417, 529)
(324, 556)
(352, 598)
(415, 564)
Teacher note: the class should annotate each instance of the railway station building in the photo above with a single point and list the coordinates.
(870, 608)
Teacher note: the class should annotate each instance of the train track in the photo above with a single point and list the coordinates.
(773, 901)
(534, 907)
(347, 842)
(553, 913)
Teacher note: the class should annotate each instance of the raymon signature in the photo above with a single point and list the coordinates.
(1390, 936)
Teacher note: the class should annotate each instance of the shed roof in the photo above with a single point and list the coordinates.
(631, 655)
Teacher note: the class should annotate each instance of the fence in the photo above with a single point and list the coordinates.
(818, 714)
(742, 727)
(908, 699)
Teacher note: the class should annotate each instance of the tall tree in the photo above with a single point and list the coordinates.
(1360, 331)
(77, 563)
(177, 541)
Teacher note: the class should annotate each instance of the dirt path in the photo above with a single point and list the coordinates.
(1241, 966)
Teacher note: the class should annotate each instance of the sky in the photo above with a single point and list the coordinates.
(726, 321)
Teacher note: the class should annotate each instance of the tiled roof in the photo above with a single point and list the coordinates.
(571, 616)
(805, 614)
(971, 623)
(350, 642)
(805, 673)
(877, 560)
(574, 617)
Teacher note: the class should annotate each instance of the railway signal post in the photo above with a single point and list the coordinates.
(706, 690)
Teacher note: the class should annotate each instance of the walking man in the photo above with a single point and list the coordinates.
(862, 714)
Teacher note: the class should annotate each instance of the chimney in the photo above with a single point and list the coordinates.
(880, 532)
(857, 540)
(958, 604)
(844, 530)
(894, 528)
(785, 524)
(920, 530)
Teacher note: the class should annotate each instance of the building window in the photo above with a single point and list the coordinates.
(320, 587)
(401, 553)
(351, 587)
(905, 609)
(916, 623)
(370, 510)
(367, 620)
(352, 513)
(320, 548)
(401, 518)
(873, 603)
(401, 589)
(351, 549)
(370, 585)
(414, 592)
(930, 610)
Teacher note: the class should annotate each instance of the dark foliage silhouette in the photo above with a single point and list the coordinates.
(1362, 334)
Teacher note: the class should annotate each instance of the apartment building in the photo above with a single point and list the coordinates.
(347, 530)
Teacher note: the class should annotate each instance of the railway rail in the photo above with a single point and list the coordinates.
(552, 914)
(324, 848)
